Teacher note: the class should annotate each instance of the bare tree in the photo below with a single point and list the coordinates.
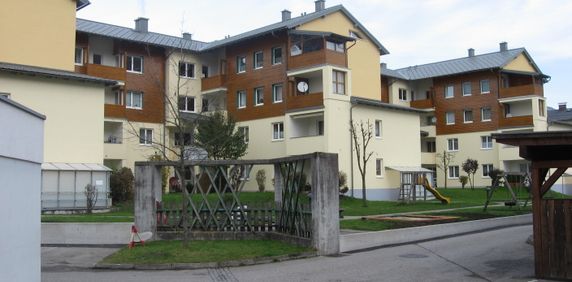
(362, 133)
(443, 163)
(90, 197)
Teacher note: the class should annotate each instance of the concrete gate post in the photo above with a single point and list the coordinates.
(325, 204)
(147, 180)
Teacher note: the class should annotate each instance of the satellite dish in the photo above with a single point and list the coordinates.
(434, 119)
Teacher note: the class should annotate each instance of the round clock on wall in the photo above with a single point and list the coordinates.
(302, 86)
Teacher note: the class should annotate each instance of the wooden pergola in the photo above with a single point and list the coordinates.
(552, 218)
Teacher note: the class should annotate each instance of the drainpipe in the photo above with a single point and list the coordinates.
(351, 150)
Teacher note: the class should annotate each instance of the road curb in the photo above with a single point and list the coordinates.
(378, 239)
(191, 266)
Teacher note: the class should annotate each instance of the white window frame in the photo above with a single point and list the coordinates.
(449, 121)
(80, 56)
(452, 144)
(486, 142)
(483, 114)
(129, 100)
(275, 60)
(486, 169)
(470, 88)
(277, 131)
(378, 129)
(481, 84)
(453, 172)
(241, 99)
(465, 112)
(258, 96)
(402, 94)
(274, 93)
(449, 89)
(186, 73)
(379, 168)
(245, 131)
(186, 109)
(240, 66)
(256, 61)
(131, 63)
(145, 136)
(337, 86)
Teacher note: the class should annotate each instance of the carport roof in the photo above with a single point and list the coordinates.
(74, 167)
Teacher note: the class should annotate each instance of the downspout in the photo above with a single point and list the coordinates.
(351, 150)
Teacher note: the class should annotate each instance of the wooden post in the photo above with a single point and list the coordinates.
(325, 204)
(147, 178)
(537, 224)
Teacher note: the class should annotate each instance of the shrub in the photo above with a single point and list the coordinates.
(342, 182)
(463, 179)
(261, 179)
(121, 182)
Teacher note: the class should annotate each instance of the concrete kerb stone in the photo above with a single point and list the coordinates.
(191, 266)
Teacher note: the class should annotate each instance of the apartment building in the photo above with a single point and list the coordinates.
(465, 100)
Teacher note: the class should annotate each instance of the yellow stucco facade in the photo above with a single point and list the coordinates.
(40, 33)
(520, 63)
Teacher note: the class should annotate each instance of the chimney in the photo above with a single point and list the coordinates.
(384, 65)
(286, 15)
(562, 107)
(503, 46)
(471, 52)
(141, 24)
(320, 5)
(187, 36)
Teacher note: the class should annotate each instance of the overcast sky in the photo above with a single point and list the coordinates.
(414, 31)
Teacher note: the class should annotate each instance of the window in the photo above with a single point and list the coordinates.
(486, 142)
(453, 144)
(449, 91)
(379, 167)
(402, 94)
(450, 118)
(205, 105)
(258, 60)
(96, 59)
(276, 55)
(134, 100)
(186, 70)
(485, 86)
(378, 128)
(186, 139)
(78, 56)
(339, 82)
(485, 114)
(454, 171)
(541, 108)
(431, 146)
(467, 89)
(334, 46)
(241, 99)
(468, 116)
(135, 64)
(487, 169)
(277, 93)
(430, 120)
(118, 97)
(243, 130)
(205, 71)
(145, 136)
(278, 131)
(507, 110)
(258, 96)
(240, 64)
(320, 127)
(186, 104)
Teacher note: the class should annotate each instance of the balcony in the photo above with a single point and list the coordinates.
(108, 72)
(319, 57)
(516, 121)
(427, 158)
(209, 84)
(423, 104)
(114, 151)
(305, 145)
(522, 90)
(115, 111)
(430, 129)
(304, 101)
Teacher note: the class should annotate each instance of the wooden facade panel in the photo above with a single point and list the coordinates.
(384, 89)
(114, 111)
(319, 57)
(423, 104)
(304, 101)
(522, 90)
(505, 122)
(108, 72)
(213, 82)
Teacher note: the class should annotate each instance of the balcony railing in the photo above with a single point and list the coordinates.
(516, 121)
(319, 57)
(423, 104)
(213, 82)
(522, 90)
(108, 72)
(305, 101)
(114, 151)
(113, 110)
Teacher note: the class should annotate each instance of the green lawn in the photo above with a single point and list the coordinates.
(158, 252)
(122, 212)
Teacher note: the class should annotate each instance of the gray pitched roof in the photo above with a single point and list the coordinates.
(555, 115)
(24, 69)
(129, 34)
(380, 104)
(292, 23)
(460, 65)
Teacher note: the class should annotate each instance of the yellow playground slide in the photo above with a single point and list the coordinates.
(427, 185)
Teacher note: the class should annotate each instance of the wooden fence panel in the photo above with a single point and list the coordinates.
(556, 243)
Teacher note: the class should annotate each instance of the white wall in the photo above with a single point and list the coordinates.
(20, 172)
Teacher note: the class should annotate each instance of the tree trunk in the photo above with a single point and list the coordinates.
(364, 198)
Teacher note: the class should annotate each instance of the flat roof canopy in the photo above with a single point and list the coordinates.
(540, 146)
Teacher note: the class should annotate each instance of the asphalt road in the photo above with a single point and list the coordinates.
(499, 255)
